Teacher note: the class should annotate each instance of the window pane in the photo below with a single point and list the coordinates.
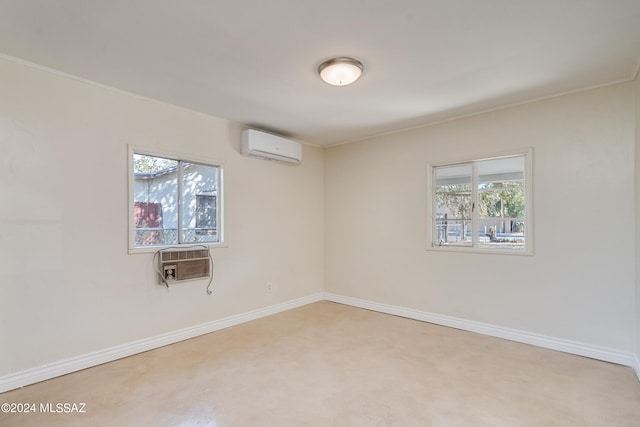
(199, 203)
(155, 198)
(501, 203)
(453, 204)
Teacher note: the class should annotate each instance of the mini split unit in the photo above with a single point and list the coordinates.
(268, 146)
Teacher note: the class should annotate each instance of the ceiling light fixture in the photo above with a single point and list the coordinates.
(340, 71)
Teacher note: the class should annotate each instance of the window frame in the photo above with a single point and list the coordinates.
(431, 245)
(179, 157)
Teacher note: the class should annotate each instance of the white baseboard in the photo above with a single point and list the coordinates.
(66, 366)
(567, 346)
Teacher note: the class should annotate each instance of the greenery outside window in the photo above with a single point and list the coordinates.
(173, 201)
(482, 205)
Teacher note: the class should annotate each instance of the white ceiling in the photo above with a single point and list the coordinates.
(255, 62)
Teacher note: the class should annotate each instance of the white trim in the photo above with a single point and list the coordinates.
(544, 341)
(72, 364)
(179, 157)
(114, 89)
(438, 122)
(527, 154)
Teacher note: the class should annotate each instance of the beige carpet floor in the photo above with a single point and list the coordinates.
(327, 364)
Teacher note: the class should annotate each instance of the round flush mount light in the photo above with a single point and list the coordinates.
(340, 71)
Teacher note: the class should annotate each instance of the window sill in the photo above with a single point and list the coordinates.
(467, 249)
(154, 249)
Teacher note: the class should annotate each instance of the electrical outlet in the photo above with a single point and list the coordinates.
(269, 287)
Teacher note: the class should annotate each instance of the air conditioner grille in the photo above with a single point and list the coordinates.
(184, 254)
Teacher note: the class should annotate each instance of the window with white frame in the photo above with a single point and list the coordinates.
(173, 201)
(482, 205)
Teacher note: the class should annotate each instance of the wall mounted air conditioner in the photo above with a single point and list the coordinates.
(176, 265)
(267, 146)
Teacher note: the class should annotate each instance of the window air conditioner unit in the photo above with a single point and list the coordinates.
(176, 265)
(267, 146)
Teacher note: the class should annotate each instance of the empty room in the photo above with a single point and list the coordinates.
(290, 213)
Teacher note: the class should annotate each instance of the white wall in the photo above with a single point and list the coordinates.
(578, 286)
(69, 286)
